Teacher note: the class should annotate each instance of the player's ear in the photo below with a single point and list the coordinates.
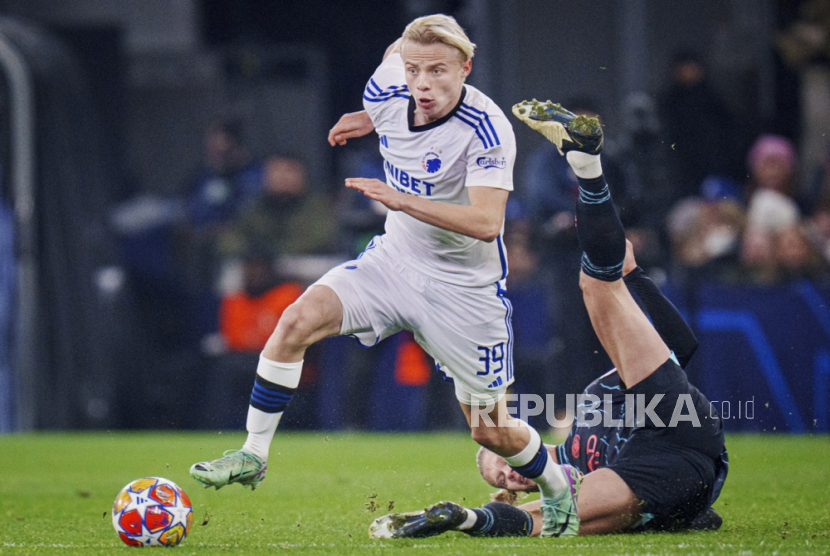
(466, 68)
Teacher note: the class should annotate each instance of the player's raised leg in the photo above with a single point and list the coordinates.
(606, 505)
(317, 314)
(495, 519)
(630, 340)
(477, 355)
(601, 237)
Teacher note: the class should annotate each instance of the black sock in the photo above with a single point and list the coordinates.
(498, 519)
(600, 232)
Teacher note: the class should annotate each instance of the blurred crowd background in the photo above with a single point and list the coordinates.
(181, 194)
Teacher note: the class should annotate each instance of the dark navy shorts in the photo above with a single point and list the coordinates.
(676, 472)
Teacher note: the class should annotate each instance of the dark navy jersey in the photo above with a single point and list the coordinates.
(606, 424)
(591, 446)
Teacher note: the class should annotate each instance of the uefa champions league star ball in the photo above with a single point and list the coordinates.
(152, 512)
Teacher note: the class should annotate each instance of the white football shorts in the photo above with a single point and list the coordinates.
(466, 330)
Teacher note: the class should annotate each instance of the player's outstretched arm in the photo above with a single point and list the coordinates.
(357, 124)
(482, 219)
(350, 126)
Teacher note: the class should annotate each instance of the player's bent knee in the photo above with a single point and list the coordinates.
(594, 286)
(296, 325)
(585, 282)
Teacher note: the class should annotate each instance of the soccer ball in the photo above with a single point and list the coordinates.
(152, 512)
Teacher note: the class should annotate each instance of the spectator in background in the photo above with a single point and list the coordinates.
(758, 259)
(699, 132)
(705, 232)
(819, 228)
(772, 188)
(773, 257)
(772, 166)
(797, 256)
(230, 175)
(228, 178)
(247, 317)
(817, 193)
(286, 217)
(778, 246)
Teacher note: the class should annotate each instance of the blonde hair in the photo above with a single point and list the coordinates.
(440, 28)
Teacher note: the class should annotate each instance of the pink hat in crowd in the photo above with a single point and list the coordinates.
(772, 145)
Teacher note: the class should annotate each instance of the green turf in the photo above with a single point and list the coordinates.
(323, 490)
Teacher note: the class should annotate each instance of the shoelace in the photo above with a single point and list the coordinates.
(224, 463)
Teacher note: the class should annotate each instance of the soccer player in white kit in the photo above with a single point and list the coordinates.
(438, 271)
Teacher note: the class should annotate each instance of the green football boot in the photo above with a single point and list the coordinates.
(559, 515)
(237, 466)
(562, 127)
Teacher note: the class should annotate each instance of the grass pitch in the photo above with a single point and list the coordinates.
(323, 490)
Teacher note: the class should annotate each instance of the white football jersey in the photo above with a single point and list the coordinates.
(473, 145)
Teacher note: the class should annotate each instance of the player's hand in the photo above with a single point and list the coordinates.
(378, 191)
(350, 126)
(629, 263)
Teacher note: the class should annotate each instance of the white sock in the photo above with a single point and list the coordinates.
(552, 482)
(585, 166)
(469, 522)
(262, 425)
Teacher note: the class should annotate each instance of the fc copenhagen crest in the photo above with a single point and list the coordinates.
(431, 161)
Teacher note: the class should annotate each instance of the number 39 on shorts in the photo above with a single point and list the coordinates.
(492, 359)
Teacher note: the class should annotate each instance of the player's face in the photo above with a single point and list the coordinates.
(500, 475)
(435, 75)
